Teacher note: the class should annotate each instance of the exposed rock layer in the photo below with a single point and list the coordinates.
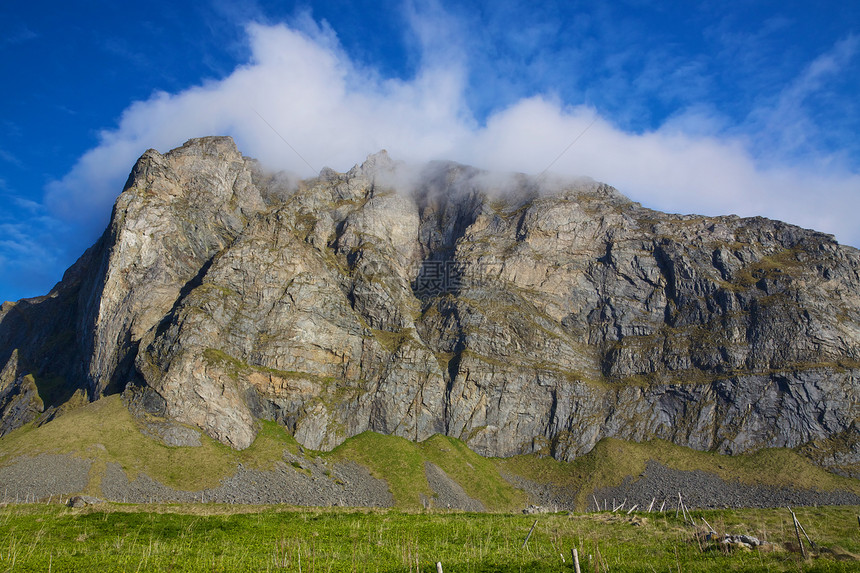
(514, 316)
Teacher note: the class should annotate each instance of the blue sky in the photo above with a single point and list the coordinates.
(715, 108)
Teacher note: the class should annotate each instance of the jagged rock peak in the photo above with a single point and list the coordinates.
(214, 146)
(375, 162)
(220, 147)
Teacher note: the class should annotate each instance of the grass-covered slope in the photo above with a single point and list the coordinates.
(105, 431)
(401, 463)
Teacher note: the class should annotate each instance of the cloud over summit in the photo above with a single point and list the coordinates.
(590, 93)
(300, 85)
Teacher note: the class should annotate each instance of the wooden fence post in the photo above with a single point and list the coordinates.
(527, 536)
(803, 530)
(797, 533)
(575, 556)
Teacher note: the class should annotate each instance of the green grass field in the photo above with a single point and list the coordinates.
(208, 537)
(117, 537)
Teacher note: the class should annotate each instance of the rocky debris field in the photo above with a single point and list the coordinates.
(698, 489)
(449, 494)
(706, 490)
(545, 497)
(294, 482)
(302, 482)
(42, 476)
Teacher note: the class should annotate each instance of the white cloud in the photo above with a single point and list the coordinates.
(335, 113)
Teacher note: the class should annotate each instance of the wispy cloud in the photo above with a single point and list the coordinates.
(788, 126)
(19, 34)
(28, 205)
(29, 251)
(10, 158)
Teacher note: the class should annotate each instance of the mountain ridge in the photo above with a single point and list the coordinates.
(517, 320)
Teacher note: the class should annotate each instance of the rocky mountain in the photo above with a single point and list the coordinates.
(517, 314)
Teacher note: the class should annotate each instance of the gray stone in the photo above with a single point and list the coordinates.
(79, 501)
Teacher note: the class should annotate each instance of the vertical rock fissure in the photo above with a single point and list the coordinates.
(453, 368)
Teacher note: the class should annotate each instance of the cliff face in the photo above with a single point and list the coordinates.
(514, 317)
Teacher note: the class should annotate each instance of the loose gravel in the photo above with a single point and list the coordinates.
(705, 490)
(297, 481)
(448, 493)
(303, 482)
(698, 489)
(32, 478)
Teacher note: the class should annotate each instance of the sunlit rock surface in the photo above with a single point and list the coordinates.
(517, 314)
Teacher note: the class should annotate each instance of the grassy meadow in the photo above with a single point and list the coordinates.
(117, 537)
(407, 538)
